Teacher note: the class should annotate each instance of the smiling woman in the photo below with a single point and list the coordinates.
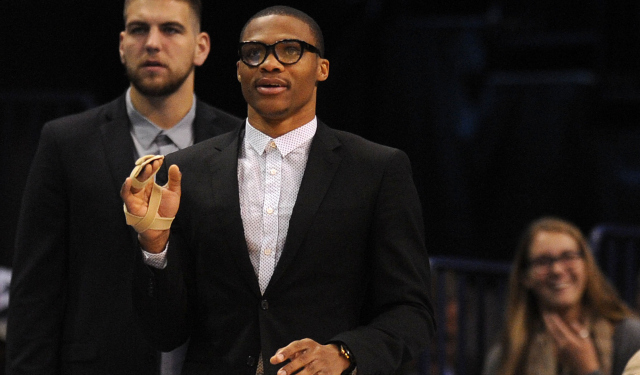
(563, 317)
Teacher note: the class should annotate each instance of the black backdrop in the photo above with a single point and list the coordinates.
(508, 109)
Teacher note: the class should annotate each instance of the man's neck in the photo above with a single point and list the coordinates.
(165, 111)
(276, 127)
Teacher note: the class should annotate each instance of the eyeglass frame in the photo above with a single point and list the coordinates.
(271, 49)
(564, 258)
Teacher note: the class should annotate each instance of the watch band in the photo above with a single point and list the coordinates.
(345, 352)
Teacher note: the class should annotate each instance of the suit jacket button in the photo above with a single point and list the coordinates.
(264, 305)
(251, 361)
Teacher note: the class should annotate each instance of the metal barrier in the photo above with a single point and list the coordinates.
(617, 250)
(469, 302)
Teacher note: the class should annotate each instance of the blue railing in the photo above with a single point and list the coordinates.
(469, 296)
(617, 251)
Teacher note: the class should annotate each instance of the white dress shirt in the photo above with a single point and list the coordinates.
(266, 203)
(269, 175)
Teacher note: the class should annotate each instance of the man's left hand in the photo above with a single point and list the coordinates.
(308, 357)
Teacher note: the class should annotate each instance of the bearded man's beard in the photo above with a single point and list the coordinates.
(154, 89)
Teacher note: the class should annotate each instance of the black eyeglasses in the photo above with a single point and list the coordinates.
(286, 51)
(544, 263)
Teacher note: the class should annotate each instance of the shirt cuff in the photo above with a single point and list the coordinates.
(154, 260)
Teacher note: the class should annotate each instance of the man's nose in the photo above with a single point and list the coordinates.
(153, 42)
(270, 63)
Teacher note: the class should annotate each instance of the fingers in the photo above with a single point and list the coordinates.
(561, 330)
(555, 325)
(575, 348)
(125, 190)
(293, 352)
(145, 173)
(128, 195)
(136, 199)
(148, 171)
(308, 357)
(175, 179)
(288, 352)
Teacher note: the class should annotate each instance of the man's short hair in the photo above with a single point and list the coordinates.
(195, 5)
(282, 10)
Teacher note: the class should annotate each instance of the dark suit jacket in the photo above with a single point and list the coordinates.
(354, 267)
(70, 309)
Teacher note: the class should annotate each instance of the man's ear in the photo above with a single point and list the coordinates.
(120, 48)
(203, 47)
(323, 70)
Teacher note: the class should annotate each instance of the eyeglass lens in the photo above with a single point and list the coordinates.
(546, 262)
(286, 52)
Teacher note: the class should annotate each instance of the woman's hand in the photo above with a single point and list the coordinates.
(575, 346)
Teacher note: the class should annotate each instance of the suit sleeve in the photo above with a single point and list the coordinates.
(38, 285)
(160, 296)
(400, 314)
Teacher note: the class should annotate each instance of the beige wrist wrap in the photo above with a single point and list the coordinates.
(151, 220)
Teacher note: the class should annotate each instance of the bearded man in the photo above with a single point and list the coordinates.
(70, 309)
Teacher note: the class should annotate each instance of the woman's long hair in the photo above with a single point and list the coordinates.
(523, 315)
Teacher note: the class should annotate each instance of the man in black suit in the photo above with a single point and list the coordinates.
(70, 309)
(296, 247)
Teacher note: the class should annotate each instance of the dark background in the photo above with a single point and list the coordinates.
(508, 109)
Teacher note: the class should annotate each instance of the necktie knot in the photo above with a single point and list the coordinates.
(163, 140)
(165, 144)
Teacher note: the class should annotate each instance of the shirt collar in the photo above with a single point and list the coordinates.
(146, 131)
(286, 142)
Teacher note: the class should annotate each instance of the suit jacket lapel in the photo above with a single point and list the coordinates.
(116, 137)
(208, 123)
(202, 124)
(322, 165)
(224, 179)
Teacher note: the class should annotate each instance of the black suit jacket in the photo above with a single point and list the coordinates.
(354, 267)
(70, 309)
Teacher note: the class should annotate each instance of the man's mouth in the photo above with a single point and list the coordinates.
(152, 64)
(271, 86)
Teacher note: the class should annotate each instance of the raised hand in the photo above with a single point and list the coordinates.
(309, 357)
(137, 201)
(575, 347)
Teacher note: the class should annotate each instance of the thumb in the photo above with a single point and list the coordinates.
(175, 179)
